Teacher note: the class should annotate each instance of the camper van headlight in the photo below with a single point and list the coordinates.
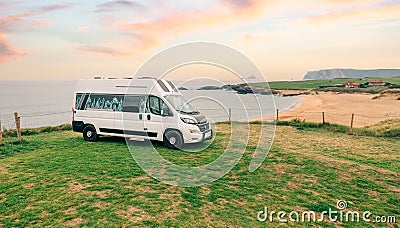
(188, 120)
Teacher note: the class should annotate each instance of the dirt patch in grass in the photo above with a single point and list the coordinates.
(75, 222)
(292, 185)
(101, 194)
(100, 204)
(390, 187)
(70, 211)
(29, 186)
(134, 214)
(4, 171)
(281, 168)
(75, 187)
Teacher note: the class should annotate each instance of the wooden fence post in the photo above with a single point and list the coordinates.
(229, 114)
(323, 117)
(277, 115)
(351, 123)
(18, 125)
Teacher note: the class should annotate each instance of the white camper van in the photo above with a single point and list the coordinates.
(138, 109)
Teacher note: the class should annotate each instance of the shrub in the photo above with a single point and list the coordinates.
(391, 133)
(35, 131)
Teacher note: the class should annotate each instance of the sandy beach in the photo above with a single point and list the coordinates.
(338, 108)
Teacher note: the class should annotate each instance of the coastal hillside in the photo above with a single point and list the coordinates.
(350, 73)
(318, 84)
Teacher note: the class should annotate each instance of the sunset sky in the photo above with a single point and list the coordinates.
(55, 40)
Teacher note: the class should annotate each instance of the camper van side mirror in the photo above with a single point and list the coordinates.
(164, 112)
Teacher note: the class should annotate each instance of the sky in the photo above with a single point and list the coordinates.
(57, 40)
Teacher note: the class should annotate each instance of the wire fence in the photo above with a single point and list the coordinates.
(346, 119)
(36, 120)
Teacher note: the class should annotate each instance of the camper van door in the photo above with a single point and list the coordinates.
(158, 118)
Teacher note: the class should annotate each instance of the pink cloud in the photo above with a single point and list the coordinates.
(21, 23)
(40, 23)
(7, 51)
(4, 5)
(359, 15)
(145, 35)
(54, 7)
(100, 50)
(81, 29)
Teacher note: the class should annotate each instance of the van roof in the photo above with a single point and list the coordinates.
(144, 85)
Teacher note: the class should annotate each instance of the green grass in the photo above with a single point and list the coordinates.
(57, 179)
(35, 131)
(314, 84)
(386, 125)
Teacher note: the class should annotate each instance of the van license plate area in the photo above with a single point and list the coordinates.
(207, 135)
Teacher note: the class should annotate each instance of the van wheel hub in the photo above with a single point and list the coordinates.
(172, 140)
(89, 134)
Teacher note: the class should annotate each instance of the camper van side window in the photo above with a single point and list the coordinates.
(100, 102)
(117, 103)
(154, 105)
(82, 103)
(78, 99)
(158, 106)
(106, 102)
(131, 104)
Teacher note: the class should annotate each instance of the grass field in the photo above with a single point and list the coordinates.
(57, 179)
(314, 84)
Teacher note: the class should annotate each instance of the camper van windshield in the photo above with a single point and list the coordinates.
(180, 104)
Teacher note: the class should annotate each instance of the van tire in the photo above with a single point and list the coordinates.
(173, 139)
(90, 134)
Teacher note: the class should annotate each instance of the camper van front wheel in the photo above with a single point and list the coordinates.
(173, 139)
(90, 134)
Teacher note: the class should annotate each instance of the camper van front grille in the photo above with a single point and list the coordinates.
(204, 127)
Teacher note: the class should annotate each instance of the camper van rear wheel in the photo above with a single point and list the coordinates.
(173, 139)
(90, 134)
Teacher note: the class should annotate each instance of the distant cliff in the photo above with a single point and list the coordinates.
(351, 73)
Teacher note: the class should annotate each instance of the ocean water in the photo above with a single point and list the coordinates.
(49, 103)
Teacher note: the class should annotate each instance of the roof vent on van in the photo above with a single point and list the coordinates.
(97, 77)
(127, 78)
(112, 78)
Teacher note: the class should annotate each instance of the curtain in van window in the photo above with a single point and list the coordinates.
(142, 104)
(117, 103)
(131, 104)
(99, 102)
(135, 104)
